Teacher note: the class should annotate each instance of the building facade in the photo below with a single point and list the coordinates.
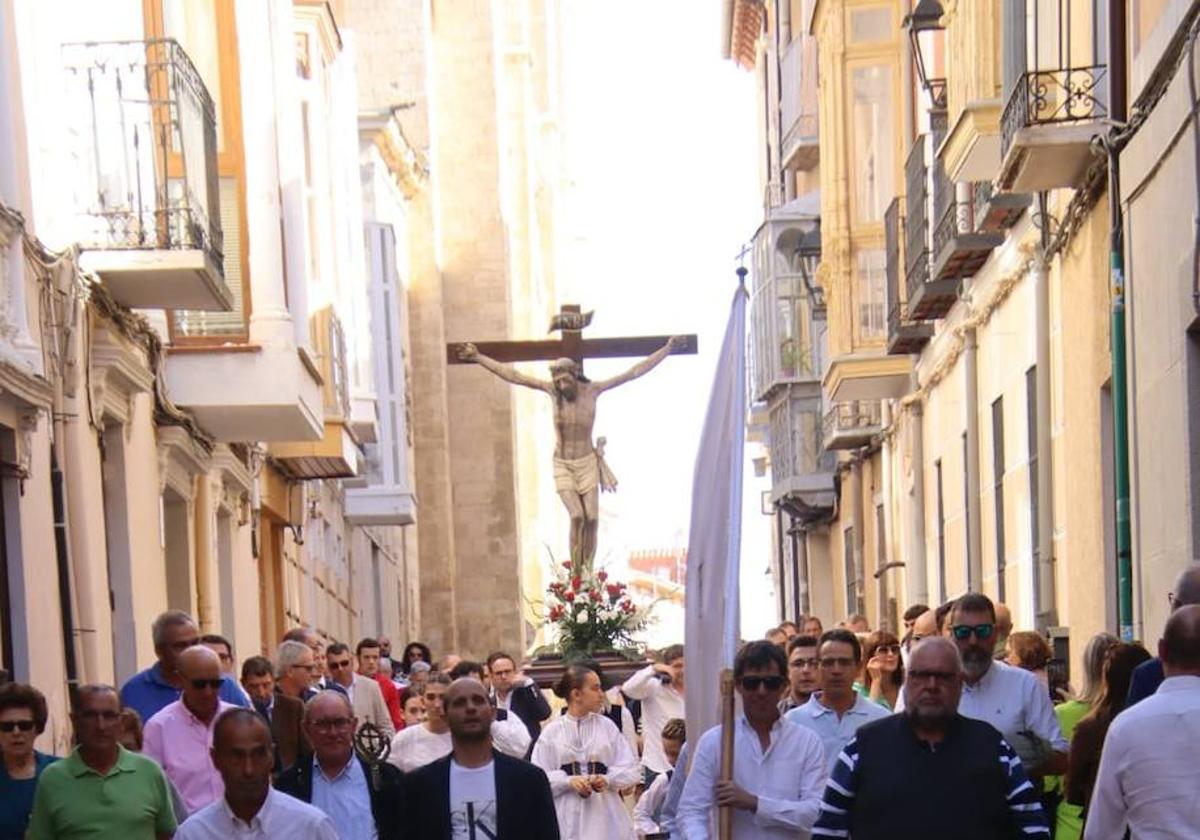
(964, 240)
(204, 350)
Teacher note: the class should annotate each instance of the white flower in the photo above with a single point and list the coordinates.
(582, 616)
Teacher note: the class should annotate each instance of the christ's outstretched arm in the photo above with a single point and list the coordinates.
(645, 365)
(468, 352)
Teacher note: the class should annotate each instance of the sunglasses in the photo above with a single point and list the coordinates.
(337, 666)
(886, 649)
(14, 725)
(754, 683)
(201, 684)
(962, 632)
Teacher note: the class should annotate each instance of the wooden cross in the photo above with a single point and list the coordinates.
(571, 322)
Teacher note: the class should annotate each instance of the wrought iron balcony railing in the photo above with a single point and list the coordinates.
(916, 226)
(859, 419)
(1046, 97)
(146, 147)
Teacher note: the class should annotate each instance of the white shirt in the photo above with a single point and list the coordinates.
(472, 801)
(280, 816)
(833, 731)
(1148, 769)
(1013, 700)
(788, 779)
(660, 703)
(650, 803)
(416, 746)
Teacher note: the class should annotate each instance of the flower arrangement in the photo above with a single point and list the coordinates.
(592, 613)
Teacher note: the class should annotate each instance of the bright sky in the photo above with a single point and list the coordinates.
(662, 157)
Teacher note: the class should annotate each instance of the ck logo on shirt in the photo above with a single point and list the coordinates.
(474, 821)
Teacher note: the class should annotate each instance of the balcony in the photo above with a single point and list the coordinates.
(995, 212)
(850, 425)
(787, 317)
(383, 494)
(145, 151)
(802, 470)
(904, 334)
(798, 104)
(336, 453)
(1047, 128)
(959, 250)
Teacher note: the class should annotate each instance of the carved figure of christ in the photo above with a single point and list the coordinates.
(579, 468)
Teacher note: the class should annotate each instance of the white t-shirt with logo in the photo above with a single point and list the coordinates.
(472, 801)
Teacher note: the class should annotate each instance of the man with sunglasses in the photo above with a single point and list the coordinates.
(837, 711)
(930, 771)
(179, 737)
(149, 691)
(778, 767)
(363, 692)
(101, 789)
(1010, 699)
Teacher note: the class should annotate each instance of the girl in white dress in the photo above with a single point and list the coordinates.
(588, 762)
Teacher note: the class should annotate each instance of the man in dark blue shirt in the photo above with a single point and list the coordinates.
(880, 785)
(1148, 676)
(160, 685)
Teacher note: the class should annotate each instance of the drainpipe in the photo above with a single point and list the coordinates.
(1120, 386)
(779, 555)
(856, 487)
(205, 588)
(803, 605)
(974, 523)
(799, 560)
(884, 539)
(916, 576)
(1044, 604)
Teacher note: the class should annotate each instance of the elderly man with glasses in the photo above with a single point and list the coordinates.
(837, 711)
(180, 736)
(778, 767)
(930, 771)
(1010, 699)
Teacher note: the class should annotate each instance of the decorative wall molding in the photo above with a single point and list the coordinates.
(119, 373)
(180, 460)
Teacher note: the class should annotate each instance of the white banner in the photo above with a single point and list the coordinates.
(714, 544)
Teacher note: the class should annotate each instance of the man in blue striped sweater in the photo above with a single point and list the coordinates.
(929, 771)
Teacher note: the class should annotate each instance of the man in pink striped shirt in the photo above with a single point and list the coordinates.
(179, 737)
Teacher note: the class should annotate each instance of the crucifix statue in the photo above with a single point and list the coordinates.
(579, 468)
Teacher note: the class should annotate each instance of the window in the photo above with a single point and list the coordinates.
(207, 32)
(872, 293)
(854, 600)
(873, 24)
(998, 490)
(941, 531)
(874, 132)
(1031, 425)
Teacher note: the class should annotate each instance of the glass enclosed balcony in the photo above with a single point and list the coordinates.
(145, 155)
(905, 334)
(787, 316)
(802, 469)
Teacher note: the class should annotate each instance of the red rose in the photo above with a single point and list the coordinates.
(595, 596)
(556, 613)
(576, 582)
(567, 565)
(569, 596)
(602, 576)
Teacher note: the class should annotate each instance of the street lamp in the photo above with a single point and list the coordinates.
(922, 24)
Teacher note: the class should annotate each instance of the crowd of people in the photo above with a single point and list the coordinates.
(958, 727)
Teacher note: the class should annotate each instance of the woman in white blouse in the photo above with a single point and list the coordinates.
(424, 743)
(588, 762)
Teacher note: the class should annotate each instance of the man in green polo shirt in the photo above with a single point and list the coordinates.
(101, 790)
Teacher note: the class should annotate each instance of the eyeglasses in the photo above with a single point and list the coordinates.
(804, 663)
(894, 650)
(754, 683)
(14, 725)
(329, 724)
(962, 632)
(202, 684)
(337, 666)
(938, 676)
(305, 667)
(837, 662)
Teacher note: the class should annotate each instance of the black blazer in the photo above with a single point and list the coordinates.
(387, 803)
(524, 804)
(529, 704)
